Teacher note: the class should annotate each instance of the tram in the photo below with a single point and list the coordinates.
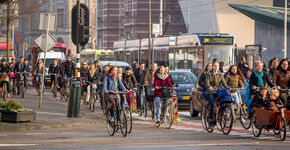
(189, 52)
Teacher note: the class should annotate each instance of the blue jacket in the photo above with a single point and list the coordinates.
(112, 85)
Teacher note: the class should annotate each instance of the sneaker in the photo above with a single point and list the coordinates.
(112, 120)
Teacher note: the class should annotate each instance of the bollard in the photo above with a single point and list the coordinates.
(175, 108)
(74, 100)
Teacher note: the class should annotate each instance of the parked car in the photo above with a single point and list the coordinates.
(185, 81)
(196, 98)
(114, 63)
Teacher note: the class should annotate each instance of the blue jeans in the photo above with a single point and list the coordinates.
(211, 99)
(236, 98)
(158, 107)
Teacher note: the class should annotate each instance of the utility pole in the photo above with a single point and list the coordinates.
(161, 18)
(149, 39)
(8, 32)
(285, 28)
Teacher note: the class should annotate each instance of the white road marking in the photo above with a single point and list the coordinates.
(40, 112)
(16, 145)
(3, 134)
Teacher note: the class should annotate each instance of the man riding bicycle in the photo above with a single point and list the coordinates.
(130, 82)
(213, 80)
(21, 67)
(67, 69)
(140, 77)
(110, 87)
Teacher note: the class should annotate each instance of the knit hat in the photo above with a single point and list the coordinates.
(3, 59)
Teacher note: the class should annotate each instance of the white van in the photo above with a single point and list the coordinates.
(50, 57)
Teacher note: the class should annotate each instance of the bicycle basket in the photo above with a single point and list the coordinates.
(224, 95)
(166, 92)
(150, 90)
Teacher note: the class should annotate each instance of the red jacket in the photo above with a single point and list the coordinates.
(160, 83)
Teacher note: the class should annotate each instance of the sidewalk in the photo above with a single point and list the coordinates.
(53, 114)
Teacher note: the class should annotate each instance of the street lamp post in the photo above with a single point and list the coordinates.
(285, 28)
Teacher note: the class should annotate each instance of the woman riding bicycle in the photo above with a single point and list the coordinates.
(258, 78)
(5, 68)
(38, 72)
(281, 78)
(92, 75)
(111, 86)
(54, 71)
(201, 81)
(234, 79)
(273, 68)
(161, 80)
(213, 80)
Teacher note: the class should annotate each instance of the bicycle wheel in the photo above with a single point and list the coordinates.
(129, 119)
(110, 126)
(142, 106)
(244, 117)
(22, 90)
(92, 102)
(4, 91)
(283, 129)
(168, 119)
(276, 131)
(256, 129)
(205, 117)
(152, 108)
(123, 122)
(227, 119)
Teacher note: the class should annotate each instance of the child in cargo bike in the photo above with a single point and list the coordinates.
(274, 103)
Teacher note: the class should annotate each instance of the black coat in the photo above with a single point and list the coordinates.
(53, 69)
(140, 76)
(254, 81)
(243, 69)
(68, 69)
(259, 101)
(129, 81)
(92, 79)
(20, 67)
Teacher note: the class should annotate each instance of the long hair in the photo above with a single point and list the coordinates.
(158, 70)
(239, 72)
(205, 69)
(111, 69)
(281, 62)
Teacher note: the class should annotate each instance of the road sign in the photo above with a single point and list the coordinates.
(43, 22)
(156, 29)
(253, 49)
(172, 41)
(40, 41)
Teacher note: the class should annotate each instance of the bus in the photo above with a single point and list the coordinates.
(59, 47)
(91, 55)
(188, 52)
(3, 50)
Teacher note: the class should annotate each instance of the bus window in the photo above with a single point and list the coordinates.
(105, 57)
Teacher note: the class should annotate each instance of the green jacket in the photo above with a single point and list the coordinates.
(215, 81)
(233, 82)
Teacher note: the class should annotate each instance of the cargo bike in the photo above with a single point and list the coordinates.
(270, 120)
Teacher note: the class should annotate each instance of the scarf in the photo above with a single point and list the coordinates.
(162, 77)
(260, 82)
(112, 76)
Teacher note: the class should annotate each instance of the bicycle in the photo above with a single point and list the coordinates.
(142, 101)
(150, 101)
(13, 83)
(54, 90)
(166, 113)
(38, 85)
(240, 112)
(120, 121)
(224, 115)
(128, 111)
(90, 97)
(4, 80)
(65, 90)
(21, 84)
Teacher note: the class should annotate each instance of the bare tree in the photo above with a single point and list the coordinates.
(13, 9)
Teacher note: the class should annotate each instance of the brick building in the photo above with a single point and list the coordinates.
(129, 19)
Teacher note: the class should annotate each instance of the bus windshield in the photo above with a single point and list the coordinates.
(3, 53)
(105, 57)
(221, 53)
(48, 62)
(59, 49)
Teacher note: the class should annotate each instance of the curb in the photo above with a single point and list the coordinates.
(43, 127)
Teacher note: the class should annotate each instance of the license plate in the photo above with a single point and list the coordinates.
(185, 97)
(48, 80)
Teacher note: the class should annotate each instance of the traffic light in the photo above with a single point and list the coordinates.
(83, 25)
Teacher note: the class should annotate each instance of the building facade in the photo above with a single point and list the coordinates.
(129, 19)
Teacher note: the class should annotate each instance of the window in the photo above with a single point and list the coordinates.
(60, 18)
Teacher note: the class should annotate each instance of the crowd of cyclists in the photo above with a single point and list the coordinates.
(109, 80)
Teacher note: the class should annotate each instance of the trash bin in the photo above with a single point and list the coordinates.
(74, 100)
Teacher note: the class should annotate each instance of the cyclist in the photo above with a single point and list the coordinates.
(67, 69)
(98, 67)
(213, 80)
(258, 78)
(273, 68)
(84, 69)
(150, 74)
(100, 80)
(234, 79)
(111, 85)
(169, 75)
(130, 82)
(201, 81)
(21, 67)
(281, 79)
(12, 75)
(38, 72)
(54, 69)
(26, 64)
(244, 67)
(161, 80)
(5, 68)
(92, 77)
(12, 64)
(140, 77)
